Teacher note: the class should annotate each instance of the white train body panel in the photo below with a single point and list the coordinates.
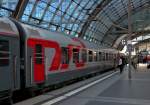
(51, 57)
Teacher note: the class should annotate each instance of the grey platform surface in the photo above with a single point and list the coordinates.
(105, 103)
(117, 90)
(53, 94)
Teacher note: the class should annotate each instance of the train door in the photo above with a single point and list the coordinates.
(35, 63)
(39, 64)
(9, 63)
(42, 60)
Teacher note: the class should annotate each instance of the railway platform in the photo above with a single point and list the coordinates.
(111, 89)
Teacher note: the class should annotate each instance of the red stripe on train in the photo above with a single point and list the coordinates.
(39, 73)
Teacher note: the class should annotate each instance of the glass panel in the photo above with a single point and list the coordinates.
(90, 56)
(77, 12)
(95, 56)
(81, 16)
(75, 55)
(29, 8)
(7, 7)
(65, 5)
(65, 55)
(53, 28)
(52, 9)
(44, 24)
(84, 2)
(56, 20)
(67, 17)
(75, 27)
(4, 12)
(90, 4)
(71, 8)
(25, 18)
(9, 4)
(55, 3)
(84, 55)
(38, 12)
(69, 26)
(48, 16)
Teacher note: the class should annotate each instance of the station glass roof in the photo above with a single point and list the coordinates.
(93, 20)
(7, 7)
(59, 15)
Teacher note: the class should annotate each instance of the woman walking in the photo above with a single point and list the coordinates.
(120, 64)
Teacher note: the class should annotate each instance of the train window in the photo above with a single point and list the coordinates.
(109, 55)
(4, 53)
(65, 55)
(95, 56)
(103, 56)
(90, 56)
(38, 54)
(106, 56)
(100, 56)
(84, 55)
(115, 56)
(112, 56)
(75, 55)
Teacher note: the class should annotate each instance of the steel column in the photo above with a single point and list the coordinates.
(129, 35)
(17, 14)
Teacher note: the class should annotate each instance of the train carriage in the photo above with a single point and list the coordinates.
(9, 58)
(34, 57)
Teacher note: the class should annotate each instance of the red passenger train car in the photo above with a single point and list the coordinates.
(32, 56)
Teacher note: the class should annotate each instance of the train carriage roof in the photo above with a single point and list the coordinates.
(8, 27)
(35, 32)
(92, 45)
(98, 47)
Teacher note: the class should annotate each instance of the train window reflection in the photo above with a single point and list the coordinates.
(75, 55)
(100, 56)
(103, 56)
(90, 56)
(95, 56)
(65, 55)
(84, 55)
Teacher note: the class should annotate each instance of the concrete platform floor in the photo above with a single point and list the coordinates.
(117, 90)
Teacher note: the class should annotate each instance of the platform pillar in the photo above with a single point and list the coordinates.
(129, 36)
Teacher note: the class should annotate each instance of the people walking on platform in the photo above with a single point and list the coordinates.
(120, 64)
(134, 62)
